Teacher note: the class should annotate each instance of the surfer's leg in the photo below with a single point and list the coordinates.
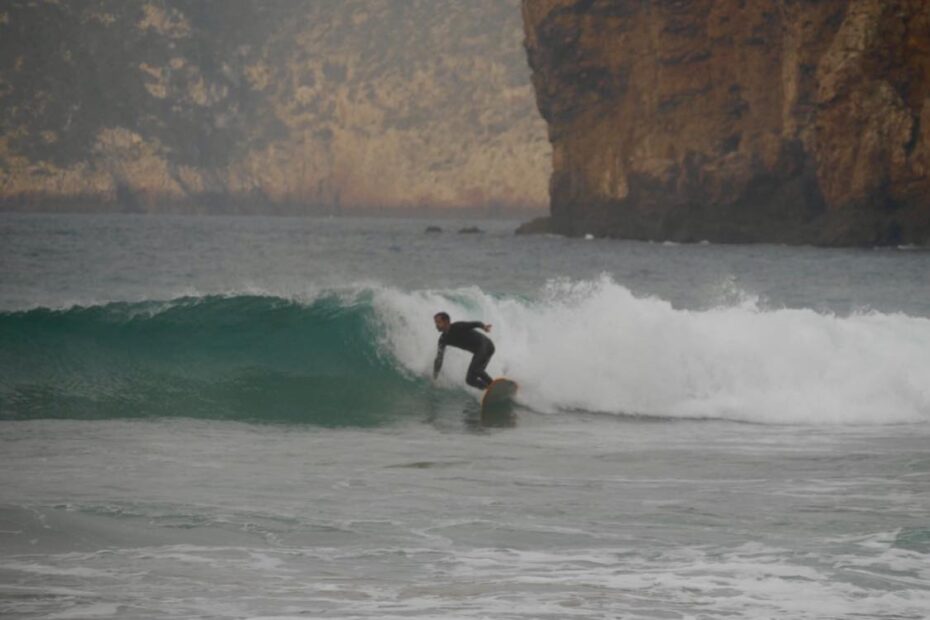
(476, 381)
(477, 377)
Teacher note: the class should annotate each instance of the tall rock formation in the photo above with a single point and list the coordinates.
(226, 105)
(790, 121)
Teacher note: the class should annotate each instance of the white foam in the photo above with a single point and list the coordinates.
(595, 346)
(92, 610)
(44, 569)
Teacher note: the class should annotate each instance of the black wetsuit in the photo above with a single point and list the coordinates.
(462, 335)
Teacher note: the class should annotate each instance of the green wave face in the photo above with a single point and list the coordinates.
(239, 358)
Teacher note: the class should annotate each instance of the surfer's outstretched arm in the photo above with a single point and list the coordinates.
(437, 363)
(476, 325)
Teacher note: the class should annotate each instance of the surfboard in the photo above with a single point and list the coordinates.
(499, 395)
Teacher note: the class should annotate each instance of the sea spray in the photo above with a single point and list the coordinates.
(595, 346)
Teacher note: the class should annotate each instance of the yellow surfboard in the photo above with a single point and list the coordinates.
(499, 395)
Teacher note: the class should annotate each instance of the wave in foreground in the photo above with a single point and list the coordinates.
(362, 357)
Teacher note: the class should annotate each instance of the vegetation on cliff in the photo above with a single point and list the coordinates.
(244, 104)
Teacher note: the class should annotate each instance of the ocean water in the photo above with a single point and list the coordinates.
(234, 418)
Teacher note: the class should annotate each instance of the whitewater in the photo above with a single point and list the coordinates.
(234, 417)
(594, 346)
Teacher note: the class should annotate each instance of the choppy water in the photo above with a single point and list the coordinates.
(233, 417)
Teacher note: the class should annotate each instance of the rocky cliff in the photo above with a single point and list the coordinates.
(796, 121)
(278, 106)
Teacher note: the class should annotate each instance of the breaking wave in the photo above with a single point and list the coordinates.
(362, 356)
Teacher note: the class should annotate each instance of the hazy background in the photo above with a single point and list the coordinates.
(271, 107)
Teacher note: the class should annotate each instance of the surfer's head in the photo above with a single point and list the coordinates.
(442, 321)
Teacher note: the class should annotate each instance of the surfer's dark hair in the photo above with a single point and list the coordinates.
(441, 315)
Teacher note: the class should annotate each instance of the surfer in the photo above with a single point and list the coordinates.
(462, 335)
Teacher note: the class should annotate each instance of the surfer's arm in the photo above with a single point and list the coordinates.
(437, 363)
(479, 325)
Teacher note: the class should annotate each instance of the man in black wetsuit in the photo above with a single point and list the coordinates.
(462, 335)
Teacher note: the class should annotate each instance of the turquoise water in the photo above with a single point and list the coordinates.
(233, 417)
(244, 358)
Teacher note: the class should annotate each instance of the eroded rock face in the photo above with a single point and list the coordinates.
(233, 105)
(798, 121)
